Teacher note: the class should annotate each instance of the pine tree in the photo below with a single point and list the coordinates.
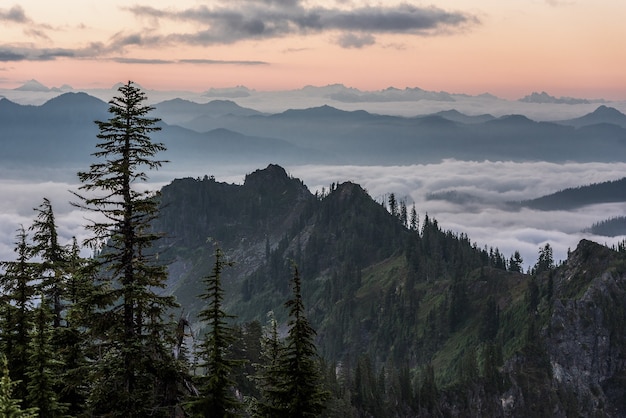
(129, 373)
(18, 289)
(268, 375)
(43, 368)
(299, 391)
(216, 386)
(10, 406)
(53, 258)
(84, 296)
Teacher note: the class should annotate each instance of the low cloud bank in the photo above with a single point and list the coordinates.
(483, 214)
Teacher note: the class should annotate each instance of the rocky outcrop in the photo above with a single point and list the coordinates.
(584, 336)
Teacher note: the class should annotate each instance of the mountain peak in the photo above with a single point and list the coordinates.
(32, 85)
(79, 99)
(602, 114)
(272, 174)
(606, 111)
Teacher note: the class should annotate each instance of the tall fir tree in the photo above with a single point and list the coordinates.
(43, 368)
(268, 374)
(299, 390)
(53, 265)
(18, 289)
(9, 405)
(128, 375)
(216, 385)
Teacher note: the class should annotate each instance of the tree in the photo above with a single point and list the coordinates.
(404, 219)
(393, 205)
(268, 373)
(515, 262)
(545, 261)
(18, 289)
(10, 406)
(42, 368)
(128, 375)
(53, 258)
(216, 389)
(299, 391)
(414, 222)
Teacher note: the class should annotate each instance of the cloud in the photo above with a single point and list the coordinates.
(485, 218)
(266, 19)
(222, 62)
(352, 40)
(15, 14)
(10, 53)
(123, 60)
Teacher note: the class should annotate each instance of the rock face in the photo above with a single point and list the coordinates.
(584, 337)
(581, 341)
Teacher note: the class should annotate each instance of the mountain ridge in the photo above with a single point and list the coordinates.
(388, 297)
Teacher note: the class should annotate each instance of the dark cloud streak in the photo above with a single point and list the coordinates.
(15, 14)
(9, 53)
(263, 20)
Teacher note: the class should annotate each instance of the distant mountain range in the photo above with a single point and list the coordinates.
(62, 131)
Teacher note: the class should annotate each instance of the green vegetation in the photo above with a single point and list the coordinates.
(386, 314)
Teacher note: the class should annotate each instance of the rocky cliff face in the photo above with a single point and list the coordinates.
(582, 339)
(585, 333)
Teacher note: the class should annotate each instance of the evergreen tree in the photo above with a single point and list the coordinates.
(268, 373)
(43, 368)
(53, 258)
(216, 386)
(10, 406)
(128, 375)
(403, 214)
(414, 222)
(545, 261)
(393, 205)
(515, 262)
(18, 289)
(299, 391)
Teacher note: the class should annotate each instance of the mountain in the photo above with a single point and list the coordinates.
(544, 97)
(602, 115)
(393, 305)
(612, 227)
(456, 116)
(573, 198)
(32, 85)
(61, 133)
(179, 111)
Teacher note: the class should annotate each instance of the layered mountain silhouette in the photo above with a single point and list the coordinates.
(62, 131)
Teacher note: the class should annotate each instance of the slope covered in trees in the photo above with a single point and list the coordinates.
(576, 197)
(369, 310)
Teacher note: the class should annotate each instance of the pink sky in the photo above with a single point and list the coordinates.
(508, 48)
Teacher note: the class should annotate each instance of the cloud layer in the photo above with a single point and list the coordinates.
(263, 19)
(484, 217)
(231, 22)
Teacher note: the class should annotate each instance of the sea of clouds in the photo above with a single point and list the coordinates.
(484, 214)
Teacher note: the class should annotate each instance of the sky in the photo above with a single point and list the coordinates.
(571, 48)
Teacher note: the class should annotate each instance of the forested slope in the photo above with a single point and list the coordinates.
(411, 319)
